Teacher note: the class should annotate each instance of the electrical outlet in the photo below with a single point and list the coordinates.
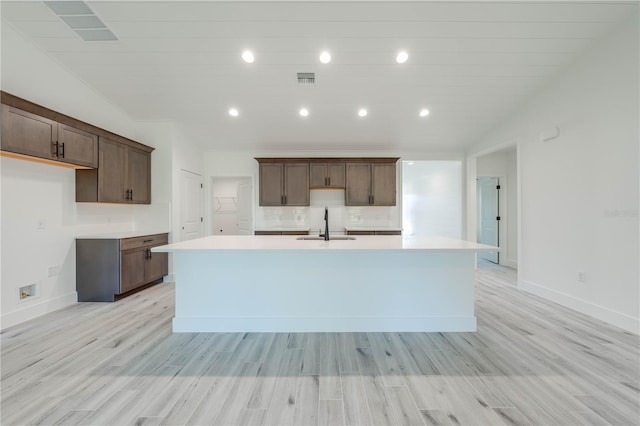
(581, 276)
(53, 271)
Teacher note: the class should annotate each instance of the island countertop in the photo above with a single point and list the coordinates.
(360, 243)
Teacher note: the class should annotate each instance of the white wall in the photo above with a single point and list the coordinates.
(35, 194)
(579, 192)
(503, 164)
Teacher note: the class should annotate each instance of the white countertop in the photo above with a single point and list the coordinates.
(119, 235)
(361, 243)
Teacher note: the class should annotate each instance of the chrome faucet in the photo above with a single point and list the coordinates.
(326, 224)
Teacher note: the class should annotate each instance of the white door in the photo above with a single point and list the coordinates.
(245, 207)
(489, 216)
(191, 204)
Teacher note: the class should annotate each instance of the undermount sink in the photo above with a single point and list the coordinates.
(339, 237)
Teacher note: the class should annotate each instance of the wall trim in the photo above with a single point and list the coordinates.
(37, 309)
(510, 263)
(602, 313)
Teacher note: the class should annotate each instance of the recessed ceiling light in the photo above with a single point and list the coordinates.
(402, 57)
(362, 112)
(325, 57)
(303, 112)
(424, 112)
(247, 56)
(233, 112)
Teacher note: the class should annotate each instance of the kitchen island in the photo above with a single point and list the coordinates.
(283, 284)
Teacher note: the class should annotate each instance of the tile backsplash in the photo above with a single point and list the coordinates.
(340, 216)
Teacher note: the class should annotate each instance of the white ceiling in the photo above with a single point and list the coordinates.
(471, 64)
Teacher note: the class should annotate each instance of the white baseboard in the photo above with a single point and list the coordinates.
(326, 324)
(36, 309)
(169, 278)
(602, 313)
(510, 263)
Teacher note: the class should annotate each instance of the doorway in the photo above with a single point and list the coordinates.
(191, 205)
(488, 196)
(231, 206)
(499, 167)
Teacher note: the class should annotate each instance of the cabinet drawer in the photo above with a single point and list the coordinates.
(144, 241)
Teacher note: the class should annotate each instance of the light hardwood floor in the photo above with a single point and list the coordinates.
(531, 362)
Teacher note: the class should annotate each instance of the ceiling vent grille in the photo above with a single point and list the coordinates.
(306, 78)
(81, 19)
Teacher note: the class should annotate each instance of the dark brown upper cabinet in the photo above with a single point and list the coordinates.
(327, 175)
(370, 184)
(284, 184)
(123, 176)
(76, 146)
(28, 134)
(109, 168)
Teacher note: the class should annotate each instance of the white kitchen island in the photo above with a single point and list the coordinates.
(282, 284)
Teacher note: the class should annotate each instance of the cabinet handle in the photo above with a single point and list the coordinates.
(285, 199)
(329, 181)
(54, 148)
(147, 241)
(372, 199)
(62, 150)
(149, 251)
(131, 194)
(326, 181)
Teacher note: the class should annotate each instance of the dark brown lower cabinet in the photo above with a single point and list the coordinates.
(280, 233)
(373, 232)
(110, 268)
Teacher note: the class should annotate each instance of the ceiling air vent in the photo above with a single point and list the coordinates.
(306, 78)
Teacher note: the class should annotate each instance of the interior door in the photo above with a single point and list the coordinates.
(245, 207)
(191, 205)
(489, 213)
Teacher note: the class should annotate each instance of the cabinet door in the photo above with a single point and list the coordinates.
(77, 146)
(335, 175)
(132, 269)
(318, 175)
(296, 184)
(271, 183)
(358, 185)
(383, 184)
(112, 167)
(29, 134)
(139, 176)
(156, 266)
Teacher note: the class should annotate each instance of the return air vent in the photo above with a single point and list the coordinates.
(81, 19)
(306, 78)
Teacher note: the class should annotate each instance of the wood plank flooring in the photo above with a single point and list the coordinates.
(531, 362)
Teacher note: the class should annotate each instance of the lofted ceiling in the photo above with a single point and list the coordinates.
(470, 64)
